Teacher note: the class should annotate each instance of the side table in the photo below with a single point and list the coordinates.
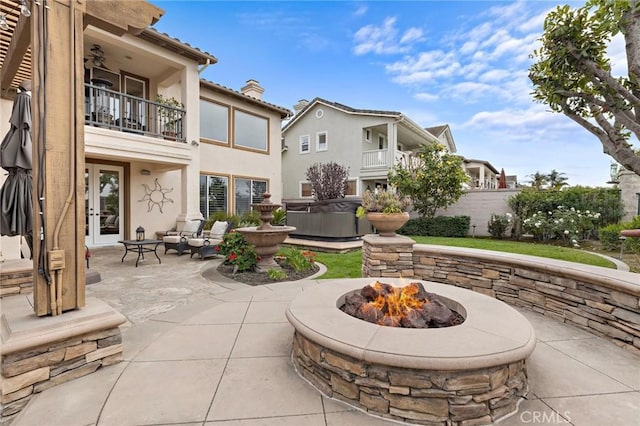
(140, 247)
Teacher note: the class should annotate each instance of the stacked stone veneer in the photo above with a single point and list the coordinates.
(601, 300)
(16, 277)
(26, 373)
(462, 398)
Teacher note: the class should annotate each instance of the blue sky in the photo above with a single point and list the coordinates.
(463, 63)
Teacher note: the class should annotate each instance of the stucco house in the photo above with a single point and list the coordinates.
(482, 174)
(161, 145)
(368, 142)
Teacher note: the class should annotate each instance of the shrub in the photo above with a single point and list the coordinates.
(238, 252)
(439, 226)
(604, 200)
(610, 236)
(328, 180)
(223, 217)
(249, 218)
(499, 224)
(569, 225)
(296, 259)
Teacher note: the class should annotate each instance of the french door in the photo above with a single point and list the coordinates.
(104, 205)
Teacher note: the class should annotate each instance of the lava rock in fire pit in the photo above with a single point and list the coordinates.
(410, 307)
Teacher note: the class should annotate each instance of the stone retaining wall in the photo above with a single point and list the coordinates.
(601, 300)
(26, 373)
(462, 398)
(16, 277)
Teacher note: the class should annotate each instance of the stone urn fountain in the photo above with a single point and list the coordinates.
(266, 238)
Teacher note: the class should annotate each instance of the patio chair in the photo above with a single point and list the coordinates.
(205, 246)
(177, 240)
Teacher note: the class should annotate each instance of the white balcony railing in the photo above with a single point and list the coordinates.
(380, 158)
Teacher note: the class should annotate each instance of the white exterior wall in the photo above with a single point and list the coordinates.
(227, 160)
(345, 144)
(479, 205)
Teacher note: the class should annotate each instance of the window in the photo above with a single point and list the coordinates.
(321, 141)
(250, 131)
(214, 121)
(214, 194)
(352, 187)
(304, 144)
(305, 189)
(248, 191)
(367, 135)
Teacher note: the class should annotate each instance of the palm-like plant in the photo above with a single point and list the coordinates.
(556, 179)
(538, 180)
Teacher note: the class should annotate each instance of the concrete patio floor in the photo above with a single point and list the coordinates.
(208, 351)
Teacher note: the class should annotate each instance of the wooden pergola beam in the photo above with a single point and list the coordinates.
(17, 50)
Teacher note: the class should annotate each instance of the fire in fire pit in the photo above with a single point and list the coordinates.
(409, 307)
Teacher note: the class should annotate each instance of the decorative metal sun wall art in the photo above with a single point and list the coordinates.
(156, 196)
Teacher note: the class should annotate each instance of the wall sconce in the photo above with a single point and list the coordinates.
(145, 172)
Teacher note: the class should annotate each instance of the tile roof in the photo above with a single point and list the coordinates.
(284, 112)
(173, 44)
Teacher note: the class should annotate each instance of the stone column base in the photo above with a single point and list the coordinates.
(40, 352)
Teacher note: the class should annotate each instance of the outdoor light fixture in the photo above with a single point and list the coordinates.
(4, 25)
(24, 9)
(140, 233)
(613, 173)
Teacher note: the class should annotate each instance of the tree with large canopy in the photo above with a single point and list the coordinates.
(432, 178)
(573, 76)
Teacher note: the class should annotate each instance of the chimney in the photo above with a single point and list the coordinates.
(253, 89)
(302, 103)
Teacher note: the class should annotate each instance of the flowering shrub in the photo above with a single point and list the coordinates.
(238, 252)
(569, 225)
(499, 224)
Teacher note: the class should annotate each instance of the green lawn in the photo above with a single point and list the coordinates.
(532, 249)
(348, 265)
(341, 265)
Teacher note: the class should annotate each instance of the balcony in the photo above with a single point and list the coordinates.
(379, 158)
(125, 113)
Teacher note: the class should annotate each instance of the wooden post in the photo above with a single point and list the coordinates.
(58, 133)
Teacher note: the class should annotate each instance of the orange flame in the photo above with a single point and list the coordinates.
(395, 305)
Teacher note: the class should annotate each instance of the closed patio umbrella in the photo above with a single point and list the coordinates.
(16, 203)
(502, 180)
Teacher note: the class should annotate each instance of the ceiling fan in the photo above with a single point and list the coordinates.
(97, 56)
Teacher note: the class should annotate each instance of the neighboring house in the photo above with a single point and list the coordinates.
(152, 163)
(368, 142)
(482, 174)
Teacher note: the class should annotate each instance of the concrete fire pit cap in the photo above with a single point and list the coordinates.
(492, 334)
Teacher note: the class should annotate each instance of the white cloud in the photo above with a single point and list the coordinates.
(618, 55)
(412, 34)
(384, 39)
(493, 75)
(361, 10)
(426, 97)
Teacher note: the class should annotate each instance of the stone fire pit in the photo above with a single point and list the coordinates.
(469, 374)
